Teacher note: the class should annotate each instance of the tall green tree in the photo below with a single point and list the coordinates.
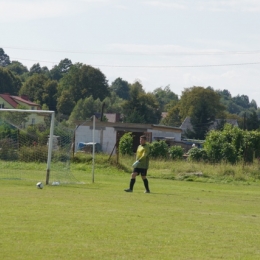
(164, 96)
(17, 68)
(252, 121)
(121, 88)
(41, 89)
(4, 58)
(9, 83)
(202, 105)
(58, 71)
(113, 104)
(86, 108)
(84, 81)
(49, 95)
(173, 117)
(141, 107)
(65, 103)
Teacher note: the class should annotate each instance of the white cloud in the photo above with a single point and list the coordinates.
(151, 49)
(27, 10)
(230, 5)
(166, 4)
(209, 5)
(30, 10)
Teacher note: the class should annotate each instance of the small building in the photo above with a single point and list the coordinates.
(109, 134)
(8, 101)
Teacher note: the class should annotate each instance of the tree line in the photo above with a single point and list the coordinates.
(77, 91)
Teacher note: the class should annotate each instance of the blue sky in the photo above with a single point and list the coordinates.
(180, 43)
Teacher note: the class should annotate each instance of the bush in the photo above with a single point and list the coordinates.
(176, 152)
(158, 149)
(196, 154)
(61, 155)
(37, 153)
(126, 144)
(8, 149)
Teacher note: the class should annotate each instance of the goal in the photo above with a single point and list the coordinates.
(35, 147)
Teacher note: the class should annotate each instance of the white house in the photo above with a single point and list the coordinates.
(108, 134)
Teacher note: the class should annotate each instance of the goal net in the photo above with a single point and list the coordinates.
(35, 147)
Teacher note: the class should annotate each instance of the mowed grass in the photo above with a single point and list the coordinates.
(178, 220)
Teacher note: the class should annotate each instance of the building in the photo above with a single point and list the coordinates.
(8, 101)
(108, 134)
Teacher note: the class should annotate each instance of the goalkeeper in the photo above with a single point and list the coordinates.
(141, 165)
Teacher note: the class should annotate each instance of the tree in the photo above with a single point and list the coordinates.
(113, 103)
(121, 88)
(86, 108)
(58, 71)
(65, 103)
(165, 96)
(17, 68)
(39, 88)
(4, 58)
(36, 68)
(9, 83)
(49, 95)
(252, 122)
(202, 106)
(242, 101)
(173, 117)
(84, 81)
(141, 107)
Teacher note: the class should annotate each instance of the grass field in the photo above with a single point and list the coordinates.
(178, 220)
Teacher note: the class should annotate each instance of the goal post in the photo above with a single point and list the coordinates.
(34, 146)
(50, 143)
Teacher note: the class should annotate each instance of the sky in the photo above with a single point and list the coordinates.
(175, 43)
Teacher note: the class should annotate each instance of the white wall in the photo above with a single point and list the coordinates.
(106, 137)
(109, 139)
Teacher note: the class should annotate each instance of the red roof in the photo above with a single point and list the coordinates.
(12, 100)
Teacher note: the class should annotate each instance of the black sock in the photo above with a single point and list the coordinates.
(132, 183)
(146, 184)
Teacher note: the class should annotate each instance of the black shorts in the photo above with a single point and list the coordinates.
(141, 171)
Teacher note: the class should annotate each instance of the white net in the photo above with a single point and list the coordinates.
(24, 147)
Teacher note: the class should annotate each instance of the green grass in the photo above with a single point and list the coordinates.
(178, 220)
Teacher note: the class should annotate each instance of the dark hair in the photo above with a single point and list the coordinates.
(143, 137)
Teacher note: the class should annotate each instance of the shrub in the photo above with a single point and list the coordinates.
(8, 149)
(176, 152)
(197, 154)
(37, 153)
(126, 144)
(158, 149)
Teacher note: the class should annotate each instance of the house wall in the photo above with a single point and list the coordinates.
(32, 118)
(158, 133)
(4, 103)
(106, 136)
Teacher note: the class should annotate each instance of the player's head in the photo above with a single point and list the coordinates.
(142, 139)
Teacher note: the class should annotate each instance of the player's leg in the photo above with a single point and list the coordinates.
(132, 182)
(145, 180)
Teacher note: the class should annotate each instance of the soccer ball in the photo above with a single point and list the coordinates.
(39, 185)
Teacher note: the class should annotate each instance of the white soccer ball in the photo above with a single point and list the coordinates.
(39, 185)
